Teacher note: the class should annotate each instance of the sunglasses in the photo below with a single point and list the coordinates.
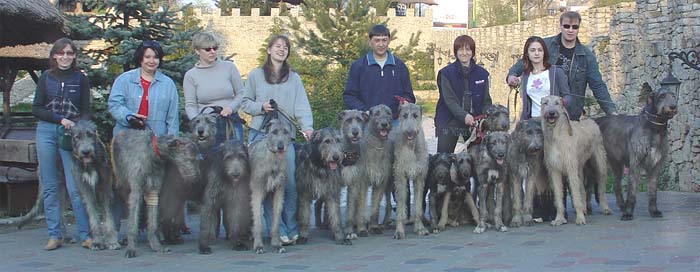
(209, 49)
(570, 26)
(65, 53)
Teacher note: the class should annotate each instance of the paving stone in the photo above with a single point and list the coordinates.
(420, 261)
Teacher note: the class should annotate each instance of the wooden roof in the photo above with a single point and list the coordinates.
(24, 22)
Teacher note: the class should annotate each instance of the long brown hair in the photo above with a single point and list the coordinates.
(271, 75)
(526, 58)
(58, 46)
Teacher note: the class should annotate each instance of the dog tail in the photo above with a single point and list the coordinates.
(38, 207)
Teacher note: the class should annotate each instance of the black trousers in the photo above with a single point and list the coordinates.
(449, 135)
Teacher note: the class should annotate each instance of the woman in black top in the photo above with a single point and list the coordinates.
(62, 97)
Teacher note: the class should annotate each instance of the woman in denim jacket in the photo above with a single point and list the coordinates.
(62, 97)
(145, 96)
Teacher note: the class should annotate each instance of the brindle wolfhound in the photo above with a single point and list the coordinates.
(410, 166)
(568, 145)
(318, 174)
(525, 162)
(639, 142)
(268, 176)
(352, 123)
(376, 161)
(94, 181)
(139, 159)
(490, 173)
(227, 190)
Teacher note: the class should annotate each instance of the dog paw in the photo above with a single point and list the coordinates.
(204, 250)
(558, 222)
(240, 247)
(259, 250)
(130, 253)
(515, 224)
(422, 232)
(436, 230)
(279, 249)
(479, 229)
(346, 242)
(580, 220)
(399, 235)
(376, 230)
(627, 217)
(302, 240)
(97, 246)
(113, 246)
(607, 211)
(162, 250)
(501, 228)
(656, 214)
(528, 223)
(362, 233)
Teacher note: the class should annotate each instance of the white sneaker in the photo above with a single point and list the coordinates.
(284, 239)
(295, 237)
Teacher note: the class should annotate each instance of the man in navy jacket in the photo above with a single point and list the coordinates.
(378, 76)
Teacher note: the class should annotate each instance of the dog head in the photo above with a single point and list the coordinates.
(85, 141)
(234, 155)
(496, 118)
(461, 168)
(663, 103)
(410, 119)
(277, 137)
(497, 145)
(439, 167)
(327, 148)
(183, 152)
(553, 111)
(203, 128)
(380, 121)
(529, 135)
(352, 123)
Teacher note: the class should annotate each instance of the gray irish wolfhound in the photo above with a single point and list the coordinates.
(568, 145)
(318, 174)
(93, 178)
(490, 173)
(496, 118)
(175, 192)
(410, 166)
(525, 162)
(639, 142)
(376, 162)
(352, 123)
(446, 176)
(269, 175)
(227, 189)
(461, 201)
(139, 159)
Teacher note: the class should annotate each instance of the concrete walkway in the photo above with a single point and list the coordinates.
(605, 244)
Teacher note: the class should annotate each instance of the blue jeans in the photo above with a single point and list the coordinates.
(236, 133)
(288, 220)
(48, 153)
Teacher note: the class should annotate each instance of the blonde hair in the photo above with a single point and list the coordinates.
(204, 40)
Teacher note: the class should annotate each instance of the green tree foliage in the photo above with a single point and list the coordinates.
(603, 3)
(225, 6)
(496, 12)
(245, 6)
(123, 25)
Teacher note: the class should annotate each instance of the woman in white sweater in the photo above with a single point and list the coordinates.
(214, 82)
(276, 80)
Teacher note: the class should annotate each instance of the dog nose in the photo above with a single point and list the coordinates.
(280, 147)
(86, 152)
(672, 107)
(551, 113)
(200, 132)
(355, 132)
(336, 158)
(384, 125)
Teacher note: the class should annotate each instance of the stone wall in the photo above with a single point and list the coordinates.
(631, 41)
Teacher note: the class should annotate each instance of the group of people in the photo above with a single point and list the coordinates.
(145, 97)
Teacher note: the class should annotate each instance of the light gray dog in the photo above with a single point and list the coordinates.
(525, 162)
(352, 123)
(318, 174)
(94, 181)
(268, 175)
(410, 166)
(490, 173)
(139, 159)
(376, 161)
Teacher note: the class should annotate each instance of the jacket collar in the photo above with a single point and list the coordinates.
(389, 59)
(578, 49)
(135, 75)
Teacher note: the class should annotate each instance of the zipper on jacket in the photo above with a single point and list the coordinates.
(62, 95)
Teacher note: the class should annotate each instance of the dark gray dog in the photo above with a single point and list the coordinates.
(525, 162)
(93, 178)
(175, 192)
(462, 206)
(318, 174)
(376, 161)
(228, 189)
(490, 173)
(639, 142)
(496, 118)
(352, 123)
(269, 175)
(410, 166)
(440, 186)
(139, 159)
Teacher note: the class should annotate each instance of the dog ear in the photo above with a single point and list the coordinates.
(567, 121)
(365, 116)
(490, 110)
(174, 142)
(341, 114)
(453, 157)
(646, 92)
(315, 136)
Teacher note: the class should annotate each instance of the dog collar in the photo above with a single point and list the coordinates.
(154, 145)
(654, 119)
(351, 157)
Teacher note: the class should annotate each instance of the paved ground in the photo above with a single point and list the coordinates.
(605, 244)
